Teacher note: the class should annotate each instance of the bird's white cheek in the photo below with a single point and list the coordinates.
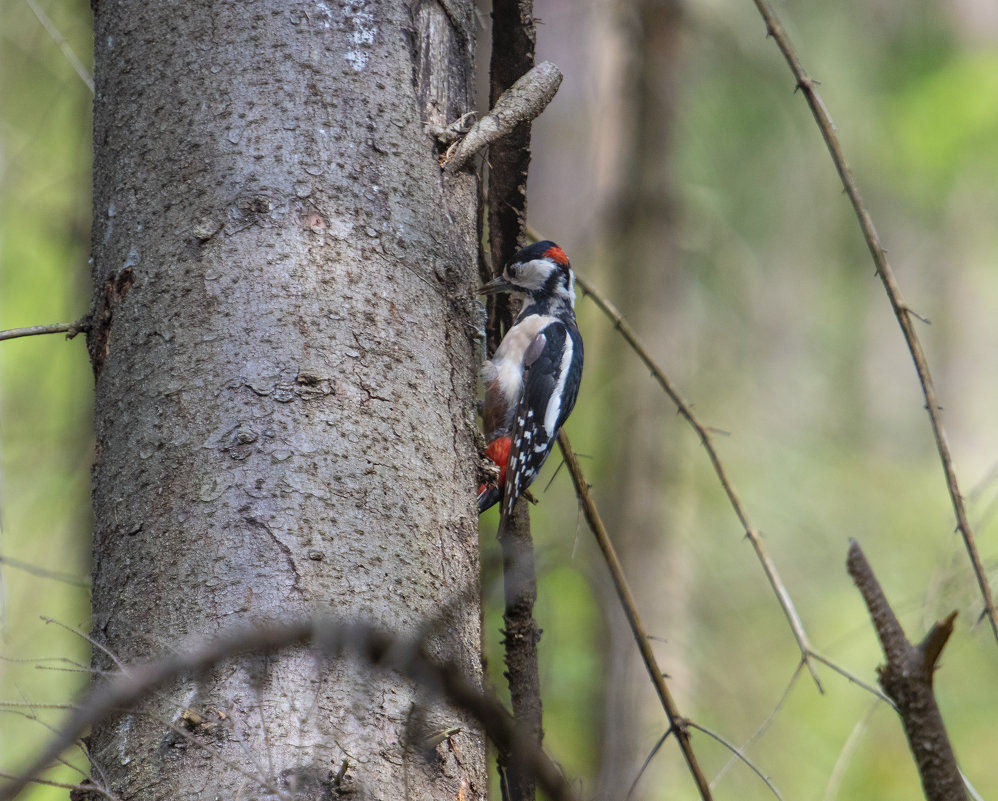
(533, 274)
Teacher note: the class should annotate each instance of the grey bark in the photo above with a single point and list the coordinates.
(285, 357)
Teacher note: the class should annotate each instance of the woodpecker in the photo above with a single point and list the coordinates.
(532, 381)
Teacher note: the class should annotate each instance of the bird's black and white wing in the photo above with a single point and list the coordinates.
(552, 372)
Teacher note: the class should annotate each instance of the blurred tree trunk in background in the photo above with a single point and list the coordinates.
(285, 385)
(643, 463)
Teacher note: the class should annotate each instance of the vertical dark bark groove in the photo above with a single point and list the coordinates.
(522, 635)
(273, 437)
(513, 42)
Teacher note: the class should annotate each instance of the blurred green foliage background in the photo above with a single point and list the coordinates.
(785, 342)
(45, 382)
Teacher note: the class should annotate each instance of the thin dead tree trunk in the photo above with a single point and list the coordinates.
(285, 359)
(907, 678)
(513, 48)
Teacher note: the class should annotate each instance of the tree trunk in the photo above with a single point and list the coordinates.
(285, 356)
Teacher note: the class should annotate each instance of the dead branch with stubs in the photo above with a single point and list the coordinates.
(522, 102)
(512, 84)
(907, 678)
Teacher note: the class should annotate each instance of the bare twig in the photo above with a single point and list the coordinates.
(854, 679)
(33, 716)
(762, 726)
(42, 572)
(522, 102)
(94, 643)
(86, 787)
(70, 329)
(907, 679)
(15, 707)
(644, 765)
(846, 754)
(686, 412)
(738, 753)
(901, 311)
(677, 722)
(60, 40)
(332, 640)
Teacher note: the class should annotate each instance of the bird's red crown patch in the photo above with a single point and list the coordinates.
(557, 255)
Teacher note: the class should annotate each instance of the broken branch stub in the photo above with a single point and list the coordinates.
(522, 102)
(907, 679)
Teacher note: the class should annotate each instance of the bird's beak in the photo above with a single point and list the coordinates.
(495, 286)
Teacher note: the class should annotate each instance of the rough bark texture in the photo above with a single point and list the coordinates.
(521, 637)
(285, 360)
(513, 41)
(907, 679)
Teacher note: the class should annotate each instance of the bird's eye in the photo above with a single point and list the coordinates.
(513, 270)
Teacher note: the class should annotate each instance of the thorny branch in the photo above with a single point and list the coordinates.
(904, 315)
(332, 640)
(808, 653)
(678, 724)
(686, 412)
(907, 679)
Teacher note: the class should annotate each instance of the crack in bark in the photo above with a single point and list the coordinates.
(258, 523)
(113, 292)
